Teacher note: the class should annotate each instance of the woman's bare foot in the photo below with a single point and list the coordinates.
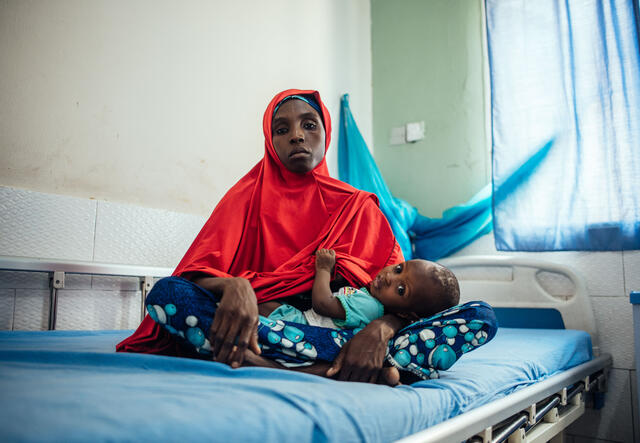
(252, 359)
(390, 376)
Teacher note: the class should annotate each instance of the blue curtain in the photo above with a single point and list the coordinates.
(565, 85)
(418, 236)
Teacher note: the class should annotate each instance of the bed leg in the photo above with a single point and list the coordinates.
(146, 283)
(57, 282)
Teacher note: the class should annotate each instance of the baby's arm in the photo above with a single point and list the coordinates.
(323, 301)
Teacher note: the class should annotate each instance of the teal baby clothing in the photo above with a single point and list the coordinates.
(359, 306)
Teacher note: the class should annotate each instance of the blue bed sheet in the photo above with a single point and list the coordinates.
(72, 386)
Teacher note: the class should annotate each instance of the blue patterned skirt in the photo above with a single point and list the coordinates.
(186, 310)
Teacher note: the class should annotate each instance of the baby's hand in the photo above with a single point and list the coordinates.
(325, 259)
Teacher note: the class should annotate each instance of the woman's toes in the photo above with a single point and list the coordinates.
(391, 376)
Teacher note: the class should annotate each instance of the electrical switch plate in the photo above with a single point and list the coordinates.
(398, 136)
(414, 132)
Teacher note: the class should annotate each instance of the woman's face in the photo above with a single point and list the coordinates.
(298, 136)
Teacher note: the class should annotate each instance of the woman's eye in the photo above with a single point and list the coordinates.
(401, 290)
(281, 131)
(397, 269)
(310, 125)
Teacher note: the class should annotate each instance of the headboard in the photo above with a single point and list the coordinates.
(537, 288)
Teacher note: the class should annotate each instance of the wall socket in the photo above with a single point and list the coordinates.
(409, 133)
(414, 132)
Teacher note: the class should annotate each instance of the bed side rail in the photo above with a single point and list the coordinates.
(528, 415)
(58, 268)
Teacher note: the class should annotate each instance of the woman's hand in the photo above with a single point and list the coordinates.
(235, 325)
(362, 357)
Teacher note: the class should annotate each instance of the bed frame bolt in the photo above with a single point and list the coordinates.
(58, 279)
(587, 388)
(532, 415)
(57, 282)
(563, 397)
(146, 283)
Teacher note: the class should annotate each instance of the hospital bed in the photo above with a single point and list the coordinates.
(527, 384)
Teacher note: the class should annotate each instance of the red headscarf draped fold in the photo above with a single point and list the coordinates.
(269, 224)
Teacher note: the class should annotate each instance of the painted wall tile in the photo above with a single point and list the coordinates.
(7, 302)
(128, 234)
(77, 281)
(95, 309)
(631, 261)
(614, 321)
(115, 283)
(31, 310)
(24, 280)
(33, 224)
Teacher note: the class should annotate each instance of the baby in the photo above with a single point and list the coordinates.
(412, 290)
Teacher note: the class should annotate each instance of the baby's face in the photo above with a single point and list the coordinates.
(404, 286)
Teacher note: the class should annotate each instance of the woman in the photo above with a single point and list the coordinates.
(259, 243)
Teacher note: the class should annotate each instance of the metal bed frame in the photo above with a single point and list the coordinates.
(544, 410)
(58, 268)
(540, 412)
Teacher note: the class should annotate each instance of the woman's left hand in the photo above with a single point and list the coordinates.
(362, 357)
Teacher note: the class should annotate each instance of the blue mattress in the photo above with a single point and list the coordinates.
(72, 386)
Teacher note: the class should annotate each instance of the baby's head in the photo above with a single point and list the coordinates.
(416, 289)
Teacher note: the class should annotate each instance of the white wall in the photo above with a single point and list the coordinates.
(159, 103)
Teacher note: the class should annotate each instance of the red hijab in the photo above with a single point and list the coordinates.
(269, 224)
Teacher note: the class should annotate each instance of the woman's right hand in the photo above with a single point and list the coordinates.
(235, 325)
